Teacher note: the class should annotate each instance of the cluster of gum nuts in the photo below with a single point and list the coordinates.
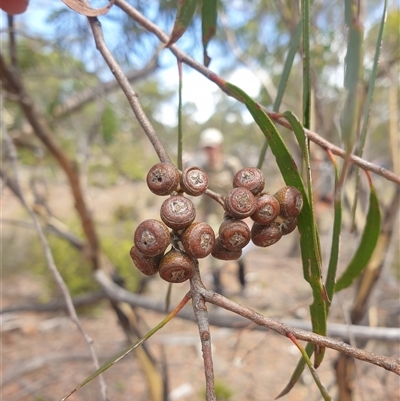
(273, 216)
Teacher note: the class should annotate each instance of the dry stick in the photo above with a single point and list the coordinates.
(277, 117)
(390, 364)
(390, 334)
(200, 311)
(51, 264)
(40, 126)
(119, 294)
(130, 94)
(77, 101)
(217, 197)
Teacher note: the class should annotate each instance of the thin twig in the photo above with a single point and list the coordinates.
(50, 260)
(130, 94)
(216, 196)
(314, 137)
(79, 100)
(120, 294)
(390, 364)
(42, 130)
(78, 301)
(12, 41)
(200, 311)
(389, 334)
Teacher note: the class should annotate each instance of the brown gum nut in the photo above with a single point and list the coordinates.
(288, 225)
(163, 178)
(152, 237)
(176, 267)
(267, 209)
(146, 264)
(178, 212)
(264, 236)
(219, 252)
(198, 240)
(290, 200)
(240, 203)
(234, 234)
(194, 181)
(250, 178)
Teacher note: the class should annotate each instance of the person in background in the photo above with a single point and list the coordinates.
(220, 169)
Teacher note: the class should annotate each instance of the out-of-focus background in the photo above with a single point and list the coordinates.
(43, 355)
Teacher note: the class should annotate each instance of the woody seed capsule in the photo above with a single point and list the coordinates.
(267, 209)
(288, 225)
(290, 200)
(148, 265)
(178, 212)
(234, 234)
(219, 252)
(176, 267)
(240, 203)
(198, 240)
(264, 236)
(151, 237)
(163, 178)
(250, 178)
(194, 181)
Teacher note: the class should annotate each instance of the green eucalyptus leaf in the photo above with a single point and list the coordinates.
(209, 12)
(293, 47)
(184, 16)
(369, 239)
(334, 255)
(302, 140)
(297, 372)
(305, 16)
(310, 252)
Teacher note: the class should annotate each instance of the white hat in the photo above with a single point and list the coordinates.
(211, 137)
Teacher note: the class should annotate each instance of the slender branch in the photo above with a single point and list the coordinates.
(76, 102)
(25, 366)
(119, 294)
(50, 261)
(78, 301)
(343, 331)
(216, 196)
(130, 94)
(314, 137)
(12, 41)
(200, 311)
(52, 224)
(43, 132)
(388, 363)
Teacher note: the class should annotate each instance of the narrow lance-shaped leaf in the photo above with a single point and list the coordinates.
(297, 372)
(209, 12)
(184, 16)
(313, 372)
(310, 253)
(293, 47)
(367, 106)
(305, 16)
(337, 225)
(302, 140)
(372, 81)
(122, 354)
(303, 144)
(353, 65)
(369, 239)
(180, 134)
